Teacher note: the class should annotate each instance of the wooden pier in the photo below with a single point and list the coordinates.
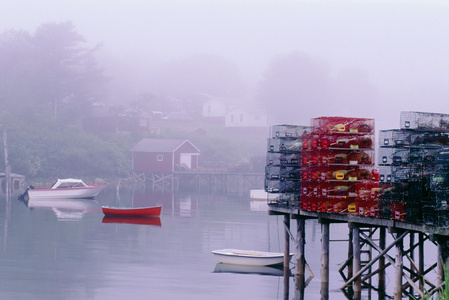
(369, 254)
(220, 182)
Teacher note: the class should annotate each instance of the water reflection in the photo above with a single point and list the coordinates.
(241, 269)
(141, 197)
(258, 270)
(185, 206)
(6, 223)
(155, 221)
(94, 259)
(66, 209)
(258, 205)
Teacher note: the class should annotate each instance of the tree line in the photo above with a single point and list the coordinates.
(49, 80)
(48, 83)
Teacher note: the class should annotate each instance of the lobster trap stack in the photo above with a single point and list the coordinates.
(337, 166)
(407, 162)
(282, 170)
(437, 211)
(330, 167)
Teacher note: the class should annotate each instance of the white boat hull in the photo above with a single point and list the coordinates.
(259, 194)
(65, 193)
(249, 257)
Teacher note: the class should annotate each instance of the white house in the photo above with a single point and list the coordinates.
(238, 117)
(214, 107)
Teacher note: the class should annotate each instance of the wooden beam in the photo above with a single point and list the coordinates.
(398, 271)
(300, 247)
(325, 260)
(300, 259)
(400, 238)
(382, 266)
(356, 265)
(286, 256)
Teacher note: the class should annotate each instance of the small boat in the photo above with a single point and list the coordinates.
(249, 257)
(152, 211)
(258, 194)
(155, 221)
(68, 188)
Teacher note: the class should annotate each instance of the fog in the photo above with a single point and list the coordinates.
(378, 57)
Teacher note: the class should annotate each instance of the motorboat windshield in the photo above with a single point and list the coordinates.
(68, 183)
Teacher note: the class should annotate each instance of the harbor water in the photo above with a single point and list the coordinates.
(69, 250)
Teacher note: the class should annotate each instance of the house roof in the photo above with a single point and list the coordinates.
(160, 145)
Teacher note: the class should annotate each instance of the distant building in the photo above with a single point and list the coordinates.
(164, 156)
(17, 182)
(112, 120)
(214, 108)
(238, 117)
(200, 131)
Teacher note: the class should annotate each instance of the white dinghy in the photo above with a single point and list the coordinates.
(249, 257)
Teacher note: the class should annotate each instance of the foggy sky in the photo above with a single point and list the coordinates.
(401, 45)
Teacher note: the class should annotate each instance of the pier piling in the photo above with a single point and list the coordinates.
(325, 260)
(411, 279)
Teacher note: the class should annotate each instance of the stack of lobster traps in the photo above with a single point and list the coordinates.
(337, 166)
(437, 212)
(330, 167)
(407, 163)
(282, 170)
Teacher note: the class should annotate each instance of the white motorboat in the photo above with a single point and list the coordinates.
(68, 188)
(249, 257)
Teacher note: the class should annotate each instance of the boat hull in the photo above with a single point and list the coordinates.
(249, 257)
(65, 193)
(153, 211)
(259, 194)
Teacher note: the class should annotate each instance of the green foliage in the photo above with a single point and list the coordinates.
(48, 82)
(222, 147)
(49, 152)
(444, 293)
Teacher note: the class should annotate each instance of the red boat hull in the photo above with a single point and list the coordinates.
(153, 211)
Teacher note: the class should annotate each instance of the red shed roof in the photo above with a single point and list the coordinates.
(160, 145)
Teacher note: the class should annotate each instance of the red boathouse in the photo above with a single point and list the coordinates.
(164, 156)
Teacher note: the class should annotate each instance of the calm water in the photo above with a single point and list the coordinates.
(69, 251)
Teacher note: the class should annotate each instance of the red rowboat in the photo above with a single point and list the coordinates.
(152, 211)
(155, 221)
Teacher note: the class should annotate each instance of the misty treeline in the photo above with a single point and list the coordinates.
(296, 87)
(48, 81)
(47, 68)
